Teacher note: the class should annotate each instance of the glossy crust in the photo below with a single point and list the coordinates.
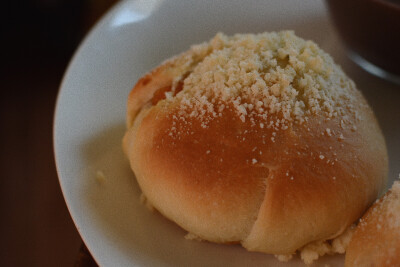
(376, 241)
(231, 182)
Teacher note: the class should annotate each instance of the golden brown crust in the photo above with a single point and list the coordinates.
(145, 88)
(301, 195)
(229, 178)
(195, 182)
(376, 241)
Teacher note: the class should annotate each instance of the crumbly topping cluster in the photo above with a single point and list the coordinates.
(311, 252)
(272, 79)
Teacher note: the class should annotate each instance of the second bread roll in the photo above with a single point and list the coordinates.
(376, 241)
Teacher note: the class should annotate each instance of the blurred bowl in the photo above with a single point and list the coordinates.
(371, 31)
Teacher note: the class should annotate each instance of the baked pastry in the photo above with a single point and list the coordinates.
(376, 241)
(258, 139)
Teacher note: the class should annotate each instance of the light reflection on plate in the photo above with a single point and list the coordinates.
(136, 11)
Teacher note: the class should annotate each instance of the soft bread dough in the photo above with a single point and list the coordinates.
(255, 139)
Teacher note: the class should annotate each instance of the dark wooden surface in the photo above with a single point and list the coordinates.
(37, 40)
(84, 259)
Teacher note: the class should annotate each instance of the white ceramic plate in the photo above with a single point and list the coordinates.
(132, 38)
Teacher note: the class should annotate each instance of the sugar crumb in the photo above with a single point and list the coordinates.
(146, 203)
(284, 258)
(328, 132)
(191, 236)
(100, 177)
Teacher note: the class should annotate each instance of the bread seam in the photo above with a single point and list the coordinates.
(259, 207)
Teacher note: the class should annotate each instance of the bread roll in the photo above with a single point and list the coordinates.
(376, 241)
(259, 139)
